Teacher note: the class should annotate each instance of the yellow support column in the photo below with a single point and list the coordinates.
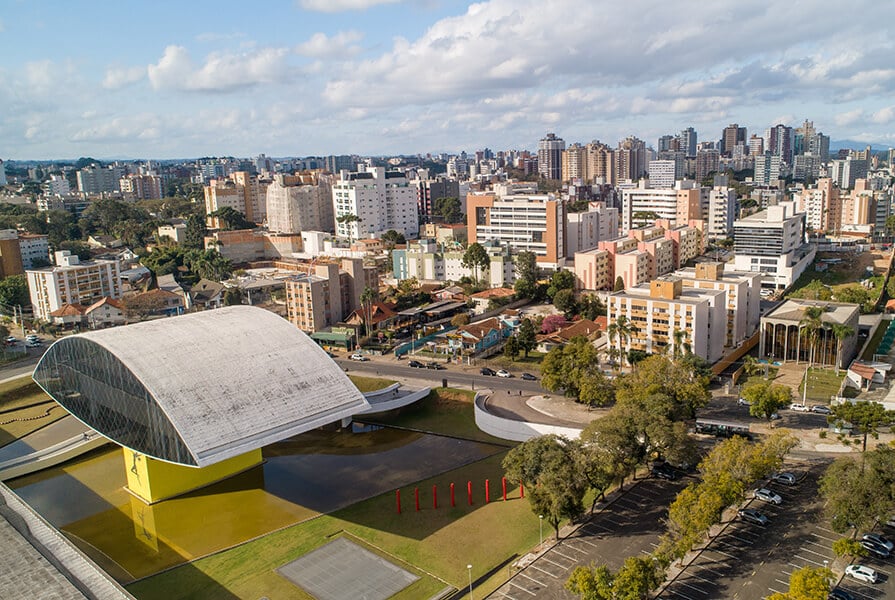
(153, 480)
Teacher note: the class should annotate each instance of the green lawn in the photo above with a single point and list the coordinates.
(370, 384)
(875, 341)
(822, 383)
(445, 411)
(436, 544)
(532, 363)
(745, 379)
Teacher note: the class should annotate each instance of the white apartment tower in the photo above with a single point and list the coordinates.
(298, 203)
(772, 242)
(550, 151)
(380, 199)
(72, 282)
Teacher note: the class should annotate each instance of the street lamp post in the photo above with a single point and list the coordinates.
(469, 570)
(540, 529)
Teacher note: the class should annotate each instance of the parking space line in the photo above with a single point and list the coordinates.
(693, 587)
(526, 590)
(585, 541)
(677, 593)
(563, 567)
(715, 550)
(530, 578)
(537, 568)
(809, 551)
(824, 546)
(556, 551)
(813, 562)
(568, 544)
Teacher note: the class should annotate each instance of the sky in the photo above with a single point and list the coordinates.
(174, 79)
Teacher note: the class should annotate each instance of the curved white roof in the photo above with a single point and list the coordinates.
(233, 379)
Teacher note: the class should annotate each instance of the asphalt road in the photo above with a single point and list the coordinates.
(456, 375)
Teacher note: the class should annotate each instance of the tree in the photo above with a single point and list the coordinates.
(194, 234)
(591, 583)
(564, 301)
(511, 348)
(526, 285)
(391, 238)
(546, 466)
(590, 307)
(766, 398)
(807, 583)
(810, 327)
(139, 306)
(552, 323)
(231, 219)
(840, 332)
(526, 337)
(865, 417)
(460, 320)
(619, 284)
(848, 547)
(622, 329)
(676, 389)
(636, 579)
(857, 491)
(14, 292)
(232, 296)
(561, 280)
(574, 369)
(476, 258)
(348, 220)
(449, 209)
(366, 300)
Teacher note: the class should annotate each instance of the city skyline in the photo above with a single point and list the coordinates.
(317, 77)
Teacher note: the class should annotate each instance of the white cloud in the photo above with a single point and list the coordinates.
(119, 77)
(142, 127)
(334, 6)
(340, 45)
(849, 118)
(883, 115)
(221, 72)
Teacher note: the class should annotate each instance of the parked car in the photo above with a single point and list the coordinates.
(416, 364)
(488, 372)
(750, 515)
(743, 402)
(434, 365)
(862, 573)
(10, 341)
(766, 495)
(874, 549)
(358, 357)
(774, 417)
(876, 538)
(839, 594)
(821, 409)
(504, 373)
(798, 406)
(32, 344)
(663, 471)
(529, 377)
(786, 478)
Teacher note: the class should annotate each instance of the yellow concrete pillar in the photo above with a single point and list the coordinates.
(153, 480)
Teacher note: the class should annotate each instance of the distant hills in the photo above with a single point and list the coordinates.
(853, 145)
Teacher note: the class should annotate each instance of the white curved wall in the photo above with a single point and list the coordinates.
(516, 431)
(397, 401)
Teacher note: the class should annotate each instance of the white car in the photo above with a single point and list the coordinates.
(799, 407)
(786, 478)
(766, 495)
(504, 373)
(862, 573)
(358, 357)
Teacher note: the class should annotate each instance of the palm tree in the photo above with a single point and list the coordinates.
(840, 332)
(621, 328)
(347, 220)
(366, 300)
(678, 336)
(810, 327)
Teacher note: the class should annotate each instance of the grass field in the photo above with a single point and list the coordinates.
(369, 384)
(445, 411)
(436, 544)
(822, 383)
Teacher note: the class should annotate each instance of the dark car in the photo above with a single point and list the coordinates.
(753, 516)
(663, 471)
(529, 377)
(434, 365)
(839, 594)
(488, 372)
(874, 549)
(416, 364)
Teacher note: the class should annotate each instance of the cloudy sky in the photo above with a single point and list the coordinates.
(171, 79)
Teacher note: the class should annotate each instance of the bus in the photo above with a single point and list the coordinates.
(724, 429)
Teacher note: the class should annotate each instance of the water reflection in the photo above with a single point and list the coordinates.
(316, 472)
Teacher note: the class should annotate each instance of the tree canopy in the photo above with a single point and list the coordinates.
(14, 292)
(476, 258)
(574, 370)
(766, 398)
(865, 417)
(449, 209)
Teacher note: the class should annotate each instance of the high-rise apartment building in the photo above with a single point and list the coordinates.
(141, 187)
(96, 180)
(707, 162)
(630, 159)
(430, 190)
(550, 150)
(780, 142)
(756, 145)
(584, 230)
(328, 293)
(732, 136)
(662, 173)
(767, 169)
(298, 203)
(241, 191)
(678, 205)
(574, 163)
(689, 141)
(821, 205)
(773, 243)
(719, 209)
(522, 222)
(601, 163)
(846, 172)
(33, 248)
(71, 281)
(380, 200)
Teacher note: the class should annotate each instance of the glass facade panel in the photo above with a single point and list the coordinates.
(96, 387)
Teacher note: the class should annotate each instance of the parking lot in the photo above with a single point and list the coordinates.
(751, 562)
(629, 526)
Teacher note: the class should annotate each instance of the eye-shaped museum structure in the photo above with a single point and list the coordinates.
(193, 399)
